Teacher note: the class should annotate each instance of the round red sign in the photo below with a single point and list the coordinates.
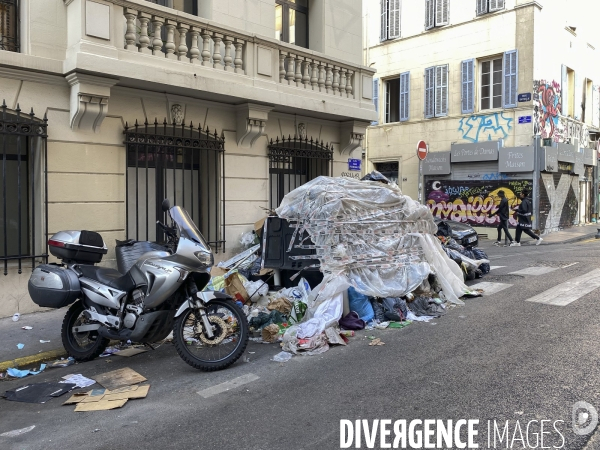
(422, 150)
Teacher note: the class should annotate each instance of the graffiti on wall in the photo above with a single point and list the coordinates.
(549, 123)
(546, 109)
(471, 201)
(489, 127)
(559, 201)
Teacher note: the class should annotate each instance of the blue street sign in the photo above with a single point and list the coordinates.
(526, 97)
(354, 164)
(524, 119)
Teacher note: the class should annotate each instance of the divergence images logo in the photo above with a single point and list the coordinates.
(585, 418)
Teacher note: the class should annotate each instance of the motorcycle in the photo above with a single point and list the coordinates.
(160, 293)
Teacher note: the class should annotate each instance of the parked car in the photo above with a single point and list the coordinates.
(462, 233)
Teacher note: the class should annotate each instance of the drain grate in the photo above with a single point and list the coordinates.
(554, 264)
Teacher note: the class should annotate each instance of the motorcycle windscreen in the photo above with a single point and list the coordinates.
(186, 226)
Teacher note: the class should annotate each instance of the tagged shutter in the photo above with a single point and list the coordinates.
(496, 5)
(578, 96)
(376, 99)
(384, 20)
(404, 96)
(441, 12)
(596, 106)
(429, 14)
(394, 19)
(441, 91)
(482, 7)
(429, 92)
(564, 91)
(468, 86)
(510, 64)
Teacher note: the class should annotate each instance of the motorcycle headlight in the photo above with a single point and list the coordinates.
(205, 258)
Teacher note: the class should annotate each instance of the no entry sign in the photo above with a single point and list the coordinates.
(422, 150)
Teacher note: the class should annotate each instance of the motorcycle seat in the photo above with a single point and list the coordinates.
(109, 277)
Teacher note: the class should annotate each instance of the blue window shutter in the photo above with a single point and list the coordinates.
(441, 91)
(482, 7)
(404, 96)
(376, 99)
(442, 12)
(429, 14)
(510, 64)
(467, 104)
(384, 20)
(394, 19)
(429, 92)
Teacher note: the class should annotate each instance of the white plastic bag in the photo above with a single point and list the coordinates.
(256, 289)
(325, 315)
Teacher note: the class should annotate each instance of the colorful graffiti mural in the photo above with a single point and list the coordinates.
(546, 109)
(471, 201)
(489, 127)
(559, 201)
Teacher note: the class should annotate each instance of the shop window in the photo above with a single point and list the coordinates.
(437, 13)
(291, 21)
(9, 25)
(488, 6)
(390, 19)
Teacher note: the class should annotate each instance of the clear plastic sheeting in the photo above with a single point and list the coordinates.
(370, 236)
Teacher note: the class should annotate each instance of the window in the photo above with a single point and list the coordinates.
(187, 6)
(392, 100)
(291, 21)
(488, 6)
(376, 99)
(436, 91)
(181, 163)
(295, 161)
(23, 197)
(467, 97)
(9, 25)
(404, 96)
(389, 170)
(491, 84)
(588, 99)
(437, 13)
(390, 19)
(568, 91)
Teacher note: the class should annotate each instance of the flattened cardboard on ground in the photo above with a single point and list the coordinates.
(102, 405)
(131, 352)
(119, 378)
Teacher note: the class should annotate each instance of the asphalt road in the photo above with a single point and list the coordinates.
(498, 358)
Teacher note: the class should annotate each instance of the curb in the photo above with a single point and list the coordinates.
(33, 359)
(573, 240)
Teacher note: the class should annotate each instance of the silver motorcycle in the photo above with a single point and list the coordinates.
(160, 293)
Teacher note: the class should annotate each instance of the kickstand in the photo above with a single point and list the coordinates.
(149, 345)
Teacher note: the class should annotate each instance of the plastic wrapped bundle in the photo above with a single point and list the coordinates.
(370, 236)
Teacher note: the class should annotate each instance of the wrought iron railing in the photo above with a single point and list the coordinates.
(183, 163)
(295, 161)
(24, 212)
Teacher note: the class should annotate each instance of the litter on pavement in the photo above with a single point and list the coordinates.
(27, 327)
(62, 362)
(16, 373)
(20, 346)
(105, 399)
(79, 380)
(119, 378)
(38, 392)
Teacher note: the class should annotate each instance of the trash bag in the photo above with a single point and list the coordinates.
(480, 254)
(444, 229)
(395, 309)
(378, 310)
(361, 304)
(352, 321)
(326, 314)
(375, 176)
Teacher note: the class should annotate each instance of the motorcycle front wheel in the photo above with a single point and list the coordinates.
(229, 340)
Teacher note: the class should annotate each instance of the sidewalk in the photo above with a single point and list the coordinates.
(47, 325)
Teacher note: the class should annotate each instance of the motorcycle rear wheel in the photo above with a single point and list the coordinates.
(230, 328)
(81, 346)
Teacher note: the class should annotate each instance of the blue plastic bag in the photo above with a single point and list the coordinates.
(360, 303)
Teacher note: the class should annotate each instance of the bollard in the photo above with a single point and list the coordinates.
(597, 234)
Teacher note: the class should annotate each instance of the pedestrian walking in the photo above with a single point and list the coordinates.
(524, 217)
(503, 213)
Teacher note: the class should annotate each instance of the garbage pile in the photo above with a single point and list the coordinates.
(473, 261)
(380, 259)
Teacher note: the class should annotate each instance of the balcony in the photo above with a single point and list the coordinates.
(139, 44)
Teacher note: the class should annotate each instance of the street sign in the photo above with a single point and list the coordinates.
(524, 119)
(422, 150)
(526, 97)
(354, 164)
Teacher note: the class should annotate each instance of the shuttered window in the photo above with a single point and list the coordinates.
(467, 104)
(404, 96)
(436, 91)
(437, 13)
(596, 106)
(390, 19)
(510, 78)
(376, 99)
(486, 6)
(578, 97)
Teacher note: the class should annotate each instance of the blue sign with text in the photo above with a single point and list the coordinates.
(526, 97)
(354, 164)
(524, 119)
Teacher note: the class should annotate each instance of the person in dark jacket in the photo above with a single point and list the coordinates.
(524, 217)
(503, 212)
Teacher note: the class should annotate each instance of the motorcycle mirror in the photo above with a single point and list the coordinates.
(166, 205)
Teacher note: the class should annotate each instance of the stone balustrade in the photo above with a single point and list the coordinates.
(315, 74)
